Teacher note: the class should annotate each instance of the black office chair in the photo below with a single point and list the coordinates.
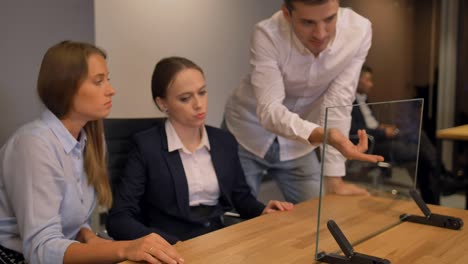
(118, 133)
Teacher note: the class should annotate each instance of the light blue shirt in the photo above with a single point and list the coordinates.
(45, 198)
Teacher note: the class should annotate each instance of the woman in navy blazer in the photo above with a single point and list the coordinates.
(181, 175)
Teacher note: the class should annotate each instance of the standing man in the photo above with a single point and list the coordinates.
(306, 57)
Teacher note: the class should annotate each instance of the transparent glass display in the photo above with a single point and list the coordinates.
(394, 131)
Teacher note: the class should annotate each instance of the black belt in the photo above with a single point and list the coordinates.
(204, 211)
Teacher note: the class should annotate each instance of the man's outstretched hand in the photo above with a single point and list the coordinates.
(348, 149)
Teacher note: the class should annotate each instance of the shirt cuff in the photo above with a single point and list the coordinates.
(334, 164)
(86, 225)
(304, 132)
(55, 251)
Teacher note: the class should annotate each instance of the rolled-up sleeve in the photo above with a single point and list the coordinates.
(35, 184)
(269, 90)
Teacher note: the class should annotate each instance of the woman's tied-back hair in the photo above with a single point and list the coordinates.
(63, 70)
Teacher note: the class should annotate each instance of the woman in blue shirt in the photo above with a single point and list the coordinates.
(53, 171)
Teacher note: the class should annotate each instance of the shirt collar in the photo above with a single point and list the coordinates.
(361, 98)
(331, 47)
(61, 132)
(174, 142)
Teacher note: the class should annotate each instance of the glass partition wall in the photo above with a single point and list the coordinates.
(394, 130)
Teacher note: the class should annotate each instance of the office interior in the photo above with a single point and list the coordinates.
(419, 50)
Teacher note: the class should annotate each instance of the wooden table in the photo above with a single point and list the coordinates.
(459, 133)
(290, 237)
(421, 244)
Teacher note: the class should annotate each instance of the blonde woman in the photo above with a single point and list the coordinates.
(53, 171)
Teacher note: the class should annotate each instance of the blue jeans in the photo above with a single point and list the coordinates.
(298, 179)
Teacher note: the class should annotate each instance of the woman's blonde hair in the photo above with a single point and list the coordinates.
(63, 69)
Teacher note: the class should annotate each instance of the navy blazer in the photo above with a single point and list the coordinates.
(153, 194)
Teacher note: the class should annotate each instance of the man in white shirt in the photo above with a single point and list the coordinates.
(306, 57)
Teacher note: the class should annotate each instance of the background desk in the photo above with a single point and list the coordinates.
(453, 133)
(290, 237)
(459, 133)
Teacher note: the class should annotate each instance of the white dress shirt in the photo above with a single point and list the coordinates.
(369, 118)
(289, 88)
(201, 177)
(45, 196)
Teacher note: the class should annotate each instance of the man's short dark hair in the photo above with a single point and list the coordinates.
(366, 68)
(290, 6)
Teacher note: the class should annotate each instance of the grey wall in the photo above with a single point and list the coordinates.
(27, 29)
(213, 33)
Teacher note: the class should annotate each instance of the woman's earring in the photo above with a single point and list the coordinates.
(166, 111)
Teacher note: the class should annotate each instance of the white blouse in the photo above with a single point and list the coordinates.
(201, 177)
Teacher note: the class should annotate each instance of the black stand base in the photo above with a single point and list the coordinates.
(444, 221)
(350, 256)
(357, 258)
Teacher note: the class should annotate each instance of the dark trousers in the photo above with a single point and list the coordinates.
(208, 219)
